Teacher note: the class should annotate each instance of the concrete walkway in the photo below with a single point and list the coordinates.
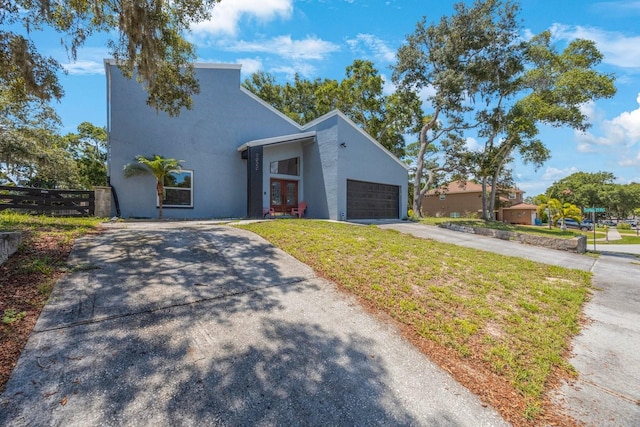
(173, 324)
(606, 354)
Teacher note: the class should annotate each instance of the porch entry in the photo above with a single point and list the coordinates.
(284, 195)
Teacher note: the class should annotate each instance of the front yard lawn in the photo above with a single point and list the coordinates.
(501, 325)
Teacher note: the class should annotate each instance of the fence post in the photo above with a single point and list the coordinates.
(102, 202)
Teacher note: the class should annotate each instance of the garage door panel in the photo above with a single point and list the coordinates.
(369, 200)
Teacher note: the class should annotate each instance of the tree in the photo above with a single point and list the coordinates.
(31, 151)
(474, 62)
(559, 211)
(159, 167)
(622, 199)
(149, 44)
(88, 148)
(544, 87)
(587, 189)
(444, 58)
(359, 96)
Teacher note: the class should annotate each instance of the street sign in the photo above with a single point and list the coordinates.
(596, 210)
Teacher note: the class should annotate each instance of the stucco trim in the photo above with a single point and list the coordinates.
(285, 139)
(340, 114)
(219, 65)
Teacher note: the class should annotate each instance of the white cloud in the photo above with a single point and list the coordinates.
(630, 160)
(311, 48)
(250, 65)
(84, 67)
(552, 174)
(622, 131)
(381, 51)
(618, 49)
(472, 144)
(629, 123)
(302, 69)
(226, 15)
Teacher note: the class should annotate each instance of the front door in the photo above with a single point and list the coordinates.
(284, 195)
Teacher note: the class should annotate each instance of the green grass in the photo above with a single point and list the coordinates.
(515, 316)
(11, 221)
(45, 263)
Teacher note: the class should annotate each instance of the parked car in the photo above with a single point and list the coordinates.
(572, 223)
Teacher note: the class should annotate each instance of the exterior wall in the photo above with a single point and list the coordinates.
(321, 171)
(223, 117)
(518, 216)
(457, 202)
(281, 152)
(462, 203)
(359, 161)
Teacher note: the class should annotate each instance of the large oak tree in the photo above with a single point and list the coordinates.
(148, 43)
(479, 74)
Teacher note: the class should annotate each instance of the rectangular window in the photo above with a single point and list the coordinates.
(512, 196)
(443, 197)
(178, 190)
(286, 167)
(455, 215)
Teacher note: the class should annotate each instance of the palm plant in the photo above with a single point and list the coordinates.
(157, 166)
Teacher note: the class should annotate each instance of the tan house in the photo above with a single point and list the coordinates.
(464, 199)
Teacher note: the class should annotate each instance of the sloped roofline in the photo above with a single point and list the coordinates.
(340, 114)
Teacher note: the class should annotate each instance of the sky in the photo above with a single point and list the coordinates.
(320, 38)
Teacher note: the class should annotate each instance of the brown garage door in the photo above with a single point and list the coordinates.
(370, 200)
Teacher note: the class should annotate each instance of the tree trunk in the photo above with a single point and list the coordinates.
(485, 212)
(494, 189)
(418, 192)
(160, 190)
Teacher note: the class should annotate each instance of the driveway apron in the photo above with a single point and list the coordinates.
(606, 353)
(203, 324)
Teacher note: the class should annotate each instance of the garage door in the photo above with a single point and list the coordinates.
(370, 200)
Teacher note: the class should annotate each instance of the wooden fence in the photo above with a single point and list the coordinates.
(48, 202)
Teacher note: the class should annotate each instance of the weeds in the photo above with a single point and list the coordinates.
(514, 315)
(10, 316)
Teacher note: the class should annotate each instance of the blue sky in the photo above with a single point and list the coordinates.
(320, 38)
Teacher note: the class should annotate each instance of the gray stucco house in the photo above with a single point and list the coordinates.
(242, 157)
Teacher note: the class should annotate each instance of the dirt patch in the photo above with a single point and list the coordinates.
(26, 281)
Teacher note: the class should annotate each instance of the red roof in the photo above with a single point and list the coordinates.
(466, 187)
(525, 206)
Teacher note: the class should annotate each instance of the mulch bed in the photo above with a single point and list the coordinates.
(24, 290)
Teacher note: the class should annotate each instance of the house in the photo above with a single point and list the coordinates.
(463, 199)
(242, 157)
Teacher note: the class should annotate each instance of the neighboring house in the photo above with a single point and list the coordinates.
(461, 199)
(242, 157)
(522, 213)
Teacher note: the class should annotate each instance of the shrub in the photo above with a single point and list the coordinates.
(623, 226)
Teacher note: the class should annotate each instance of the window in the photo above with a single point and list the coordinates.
(286, 167)
(443, 197)
(454, 215)
(178, 190)
(512, 196)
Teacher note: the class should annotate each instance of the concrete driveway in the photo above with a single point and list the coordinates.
(203, 324)
(606, 354)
